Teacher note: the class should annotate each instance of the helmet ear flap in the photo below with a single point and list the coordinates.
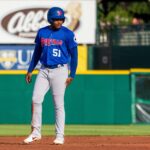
(63, 20)
(51, 21)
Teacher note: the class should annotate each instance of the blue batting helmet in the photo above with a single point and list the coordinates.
(55, 13)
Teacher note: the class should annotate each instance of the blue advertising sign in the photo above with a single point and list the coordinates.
(16, 57)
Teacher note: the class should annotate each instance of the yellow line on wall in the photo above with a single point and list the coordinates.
(16, 72)
(104, 72)
(80, 72)
(94, 72)
(134, 70)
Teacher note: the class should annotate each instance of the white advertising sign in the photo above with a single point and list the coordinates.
(21, 19)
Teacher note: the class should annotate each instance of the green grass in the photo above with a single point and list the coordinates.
(22, 130)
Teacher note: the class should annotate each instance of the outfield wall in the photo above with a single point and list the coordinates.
(90, 99)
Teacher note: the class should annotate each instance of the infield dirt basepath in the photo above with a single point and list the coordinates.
(79, 143)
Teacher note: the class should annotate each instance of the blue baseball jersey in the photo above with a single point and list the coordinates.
(55, 47)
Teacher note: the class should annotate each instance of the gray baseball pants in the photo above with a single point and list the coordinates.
(54, 80)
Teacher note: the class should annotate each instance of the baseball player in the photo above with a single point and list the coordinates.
(55, 47)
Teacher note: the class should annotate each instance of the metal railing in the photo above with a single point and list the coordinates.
(133, 35)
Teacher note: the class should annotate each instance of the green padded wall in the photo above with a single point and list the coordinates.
(90, 99)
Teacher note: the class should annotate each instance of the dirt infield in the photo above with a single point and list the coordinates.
(80, 143)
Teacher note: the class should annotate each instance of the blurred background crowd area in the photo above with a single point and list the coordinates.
(130, 18)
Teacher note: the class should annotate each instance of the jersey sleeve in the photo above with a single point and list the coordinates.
(37, 38)
(71, 40)
(74, 61)
(37, 53)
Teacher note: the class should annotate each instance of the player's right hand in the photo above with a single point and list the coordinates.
(28, 77)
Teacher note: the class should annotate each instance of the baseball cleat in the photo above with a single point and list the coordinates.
(58, 141)
(31, 139)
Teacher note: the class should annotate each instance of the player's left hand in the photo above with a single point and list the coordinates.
(68, 81)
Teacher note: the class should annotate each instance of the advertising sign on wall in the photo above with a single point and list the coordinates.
(18, 57)
(14, 57)
(20, 20)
